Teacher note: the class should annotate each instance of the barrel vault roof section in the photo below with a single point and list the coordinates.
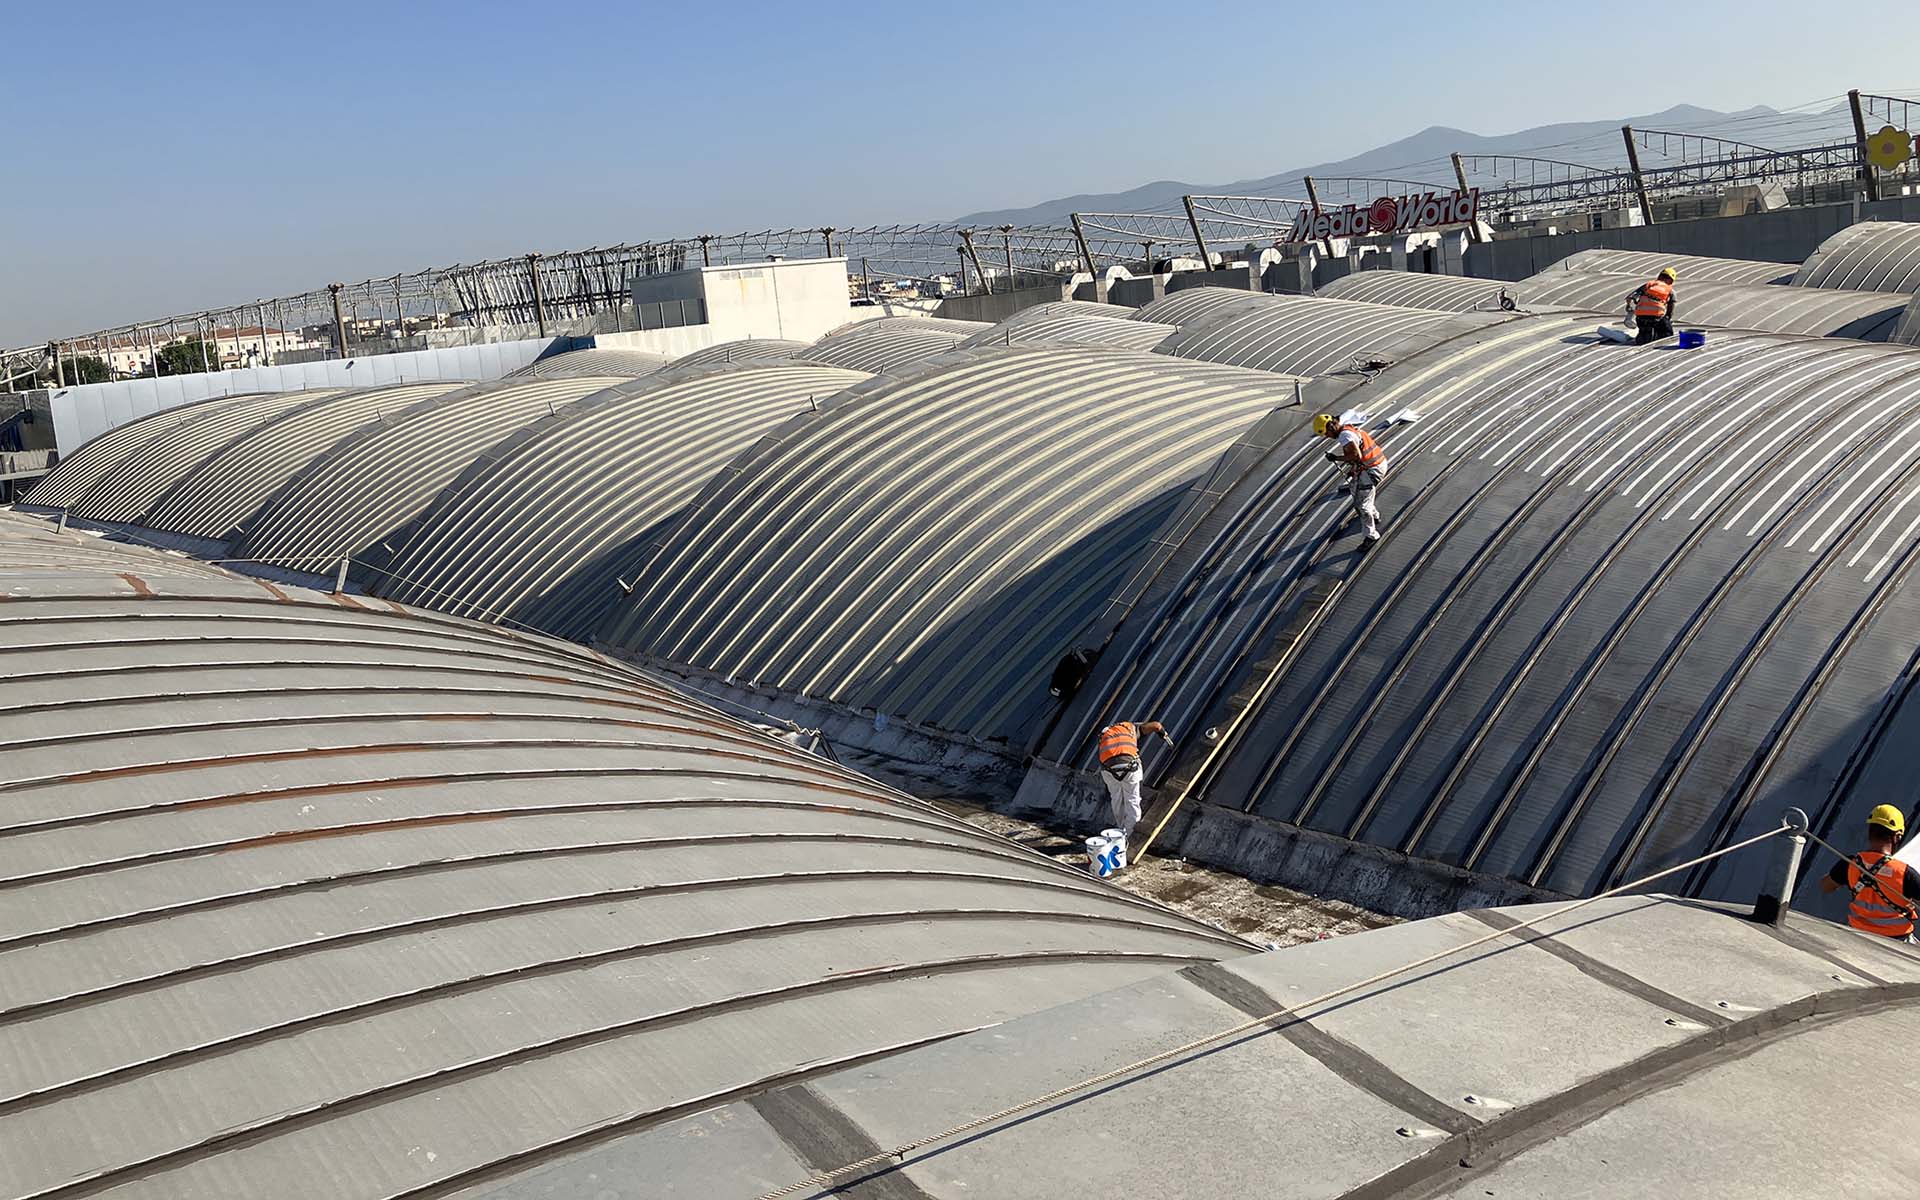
(1293, 335)
(164, 454)
(222, 494)
(318, 889)
(1416, 289)
(1766, 308)
(1631, 604)
(742, 351)
(886, 344)
(1880, 256)
(929, 548)
(542, 529)
(596, 362)
(1689, 267)
(1074, 322)
(76, 473)
(386, 473)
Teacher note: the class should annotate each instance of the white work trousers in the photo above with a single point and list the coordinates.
(1123, 797)
(1361, 485)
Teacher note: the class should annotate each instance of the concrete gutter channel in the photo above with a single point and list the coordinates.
(1468, 1063)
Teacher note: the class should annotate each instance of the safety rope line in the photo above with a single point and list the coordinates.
(898, 1154)
(1253, 703)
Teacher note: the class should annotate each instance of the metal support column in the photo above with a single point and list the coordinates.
(966, 244)
(1783, 870)
(1460, 177)
(706, 255)
(1639, 181)
(827, 233)
(59, 368)
(1313, 198)
(1860, 145)
(1086, 254)
(1206, 259)
(539, 294)
(339, 321)
(1006, 244)
(206, 364)
(153, 354)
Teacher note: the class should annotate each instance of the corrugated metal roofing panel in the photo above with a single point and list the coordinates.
(930, 548)
(137, 480)
(597, 362)
(888, 343)
(1295, 335)
(542, 529)
(221, 495)
(77, 473)
(1415, 289)
(1818, 312)
(383, 476)
(1881, 256)
(744, 351)
(1690, 267)
(1631, 603)
(1073, 322)
(326, 876)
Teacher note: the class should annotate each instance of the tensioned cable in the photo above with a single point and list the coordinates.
(899, 1153)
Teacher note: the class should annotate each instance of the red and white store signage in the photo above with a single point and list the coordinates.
(1388, 214)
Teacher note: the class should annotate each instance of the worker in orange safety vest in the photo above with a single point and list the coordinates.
(1653, 307)
(1366, 464)
(1120, 768)
(1883, 888)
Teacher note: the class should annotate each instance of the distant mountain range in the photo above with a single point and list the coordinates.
(1424, 157)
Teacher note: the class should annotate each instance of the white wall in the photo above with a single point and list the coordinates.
(85, 412)
(795, 299)
(684, 339)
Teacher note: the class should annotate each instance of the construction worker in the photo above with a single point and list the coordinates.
(1366, 464)
(1882, 887)
(1653, 307)
(1120, 768)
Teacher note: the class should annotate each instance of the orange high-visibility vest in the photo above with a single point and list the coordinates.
(1371, 455)
(1870, 911)
(1116, 740)
(1654, 299)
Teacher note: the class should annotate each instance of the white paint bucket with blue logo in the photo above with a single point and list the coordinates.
(1100, 857)
(1117, 842)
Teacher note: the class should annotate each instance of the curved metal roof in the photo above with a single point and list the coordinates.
(1690, 267)
(385, 474)
(1881, 256)
(1294, 335)
(218, 497)
(747, 350)
(887, 343)
(929, 548)
(1416, 289)
(118, 475)
(383, 902)
(31, 548)
(541, 530)
(1071, 323)
(598, 362)
(1630, 604)
(1818, 312)
(77, 473)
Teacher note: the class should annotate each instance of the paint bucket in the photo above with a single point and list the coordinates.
(1099, 857)
(1117, 843)
(1692, 339)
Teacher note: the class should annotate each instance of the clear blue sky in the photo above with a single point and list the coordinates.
(172, 158)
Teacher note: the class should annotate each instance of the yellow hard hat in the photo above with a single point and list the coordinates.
(1323, 424)
(1889, 818)
(1669, 273)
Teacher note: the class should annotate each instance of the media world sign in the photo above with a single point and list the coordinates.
(1388, 214)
